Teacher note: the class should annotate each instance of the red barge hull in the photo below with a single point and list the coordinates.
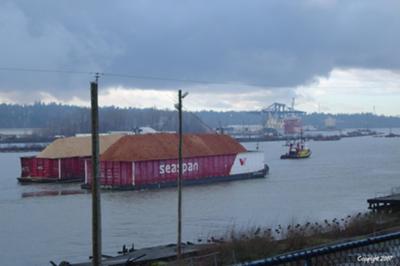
(190, 182)
(122, 175)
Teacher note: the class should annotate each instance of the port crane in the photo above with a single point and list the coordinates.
(281, 110)
(274, 115)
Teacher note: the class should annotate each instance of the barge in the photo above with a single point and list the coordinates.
(150, 161)
(62, 161)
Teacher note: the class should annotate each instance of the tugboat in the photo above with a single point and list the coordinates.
(297, 151)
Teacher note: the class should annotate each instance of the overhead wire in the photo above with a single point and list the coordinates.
(157, 78)
(188, 112)
(143, 77)
(42, 70)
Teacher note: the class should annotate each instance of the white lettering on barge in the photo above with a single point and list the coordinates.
(174, 168)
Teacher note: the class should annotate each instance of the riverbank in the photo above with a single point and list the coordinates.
(262, 242)
(258, 243)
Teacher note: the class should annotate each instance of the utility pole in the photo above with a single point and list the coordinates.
(179, 183)
(96, 208)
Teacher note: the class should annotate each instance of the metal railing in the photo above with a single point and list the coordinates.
(374, 250)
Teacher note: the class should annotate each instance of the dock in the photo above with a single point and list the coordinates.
(389, 204)
(146, 256)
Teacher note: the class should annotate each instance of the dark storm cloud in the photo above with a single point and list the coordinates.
(258, 43)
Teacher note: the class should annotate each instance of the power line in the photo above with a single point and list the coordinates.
(161, 78)
(41, 70)
(143, 77)
(199, 120)
(188, 112)
(157, 78)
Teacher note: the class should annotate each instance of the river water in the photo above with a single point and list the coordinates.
(334, 182)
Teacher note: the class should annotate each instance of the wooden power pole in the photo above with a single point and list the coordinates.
(179, 241)
(96, 207)
(179, 183)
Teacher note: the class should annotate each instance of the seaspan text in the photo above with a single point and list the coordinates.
(174, 168)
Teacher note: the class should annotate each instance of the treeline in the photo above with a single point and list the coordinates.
(56, 119)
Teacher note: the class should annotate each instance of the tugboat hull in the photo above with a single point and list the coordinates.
(301, 155)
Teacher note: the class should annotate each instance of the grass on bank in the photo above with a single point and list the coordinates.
(261, 242)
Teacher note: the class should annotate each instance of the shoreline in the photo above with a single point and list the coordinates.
(257, 243)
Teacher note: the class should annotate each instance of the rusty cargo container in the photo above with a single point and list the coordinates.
(150, 161)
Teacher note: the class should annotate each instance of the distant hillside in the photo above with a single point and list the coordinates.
(56, 119)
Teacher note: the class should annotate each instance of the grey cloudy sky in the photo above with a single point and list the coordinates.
(273, 47)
